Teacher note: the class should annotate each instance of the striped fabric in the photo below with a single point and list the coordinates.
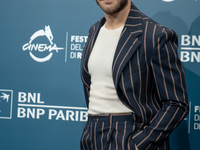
(109, 132)
(148, 77)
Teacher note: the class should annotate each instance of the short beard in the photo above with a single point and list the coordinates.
(119, 7)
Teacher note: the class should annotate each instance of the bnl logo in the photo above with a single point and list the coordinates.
(6, 98)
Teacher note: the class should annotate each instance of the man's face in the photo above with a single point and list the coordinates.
(112, 6)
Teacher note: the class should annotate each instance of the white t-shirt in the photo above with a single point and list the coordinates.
(103, 97)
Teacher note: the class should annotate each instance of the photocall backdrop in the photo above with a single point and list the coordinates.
(42, 104)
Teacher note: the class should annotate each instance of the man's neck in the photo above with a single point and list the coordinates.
(119, 19)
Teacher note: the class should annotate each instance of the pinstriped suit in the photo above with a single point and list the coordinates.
(148, 77)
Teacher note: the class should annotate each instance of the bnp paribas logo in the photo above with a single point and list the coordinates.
(6, 98)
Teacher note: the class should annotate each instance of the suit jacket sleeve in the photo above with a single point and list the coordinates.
(169, 82)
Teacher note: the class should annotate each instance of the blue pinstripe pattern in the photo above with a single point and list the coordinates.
(148, 76)
(108, 133)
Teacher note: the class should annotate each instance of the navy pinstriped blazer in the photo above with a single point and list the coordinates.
(148, 77)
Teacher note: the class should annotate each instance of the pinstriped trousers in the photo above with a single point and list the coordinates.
(108, 132)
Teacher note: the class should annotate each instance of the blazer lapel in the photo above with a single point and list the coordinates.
(128, 43)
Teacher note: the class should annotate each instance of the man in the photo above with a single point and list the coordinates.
(134, 82)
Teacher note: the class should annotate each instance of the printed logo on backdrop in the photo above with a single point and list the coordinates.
(41, 51)
(197, 118)
(6, 97)
(190, 48)
(32, 106)
(76, 44)
(193, 117)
